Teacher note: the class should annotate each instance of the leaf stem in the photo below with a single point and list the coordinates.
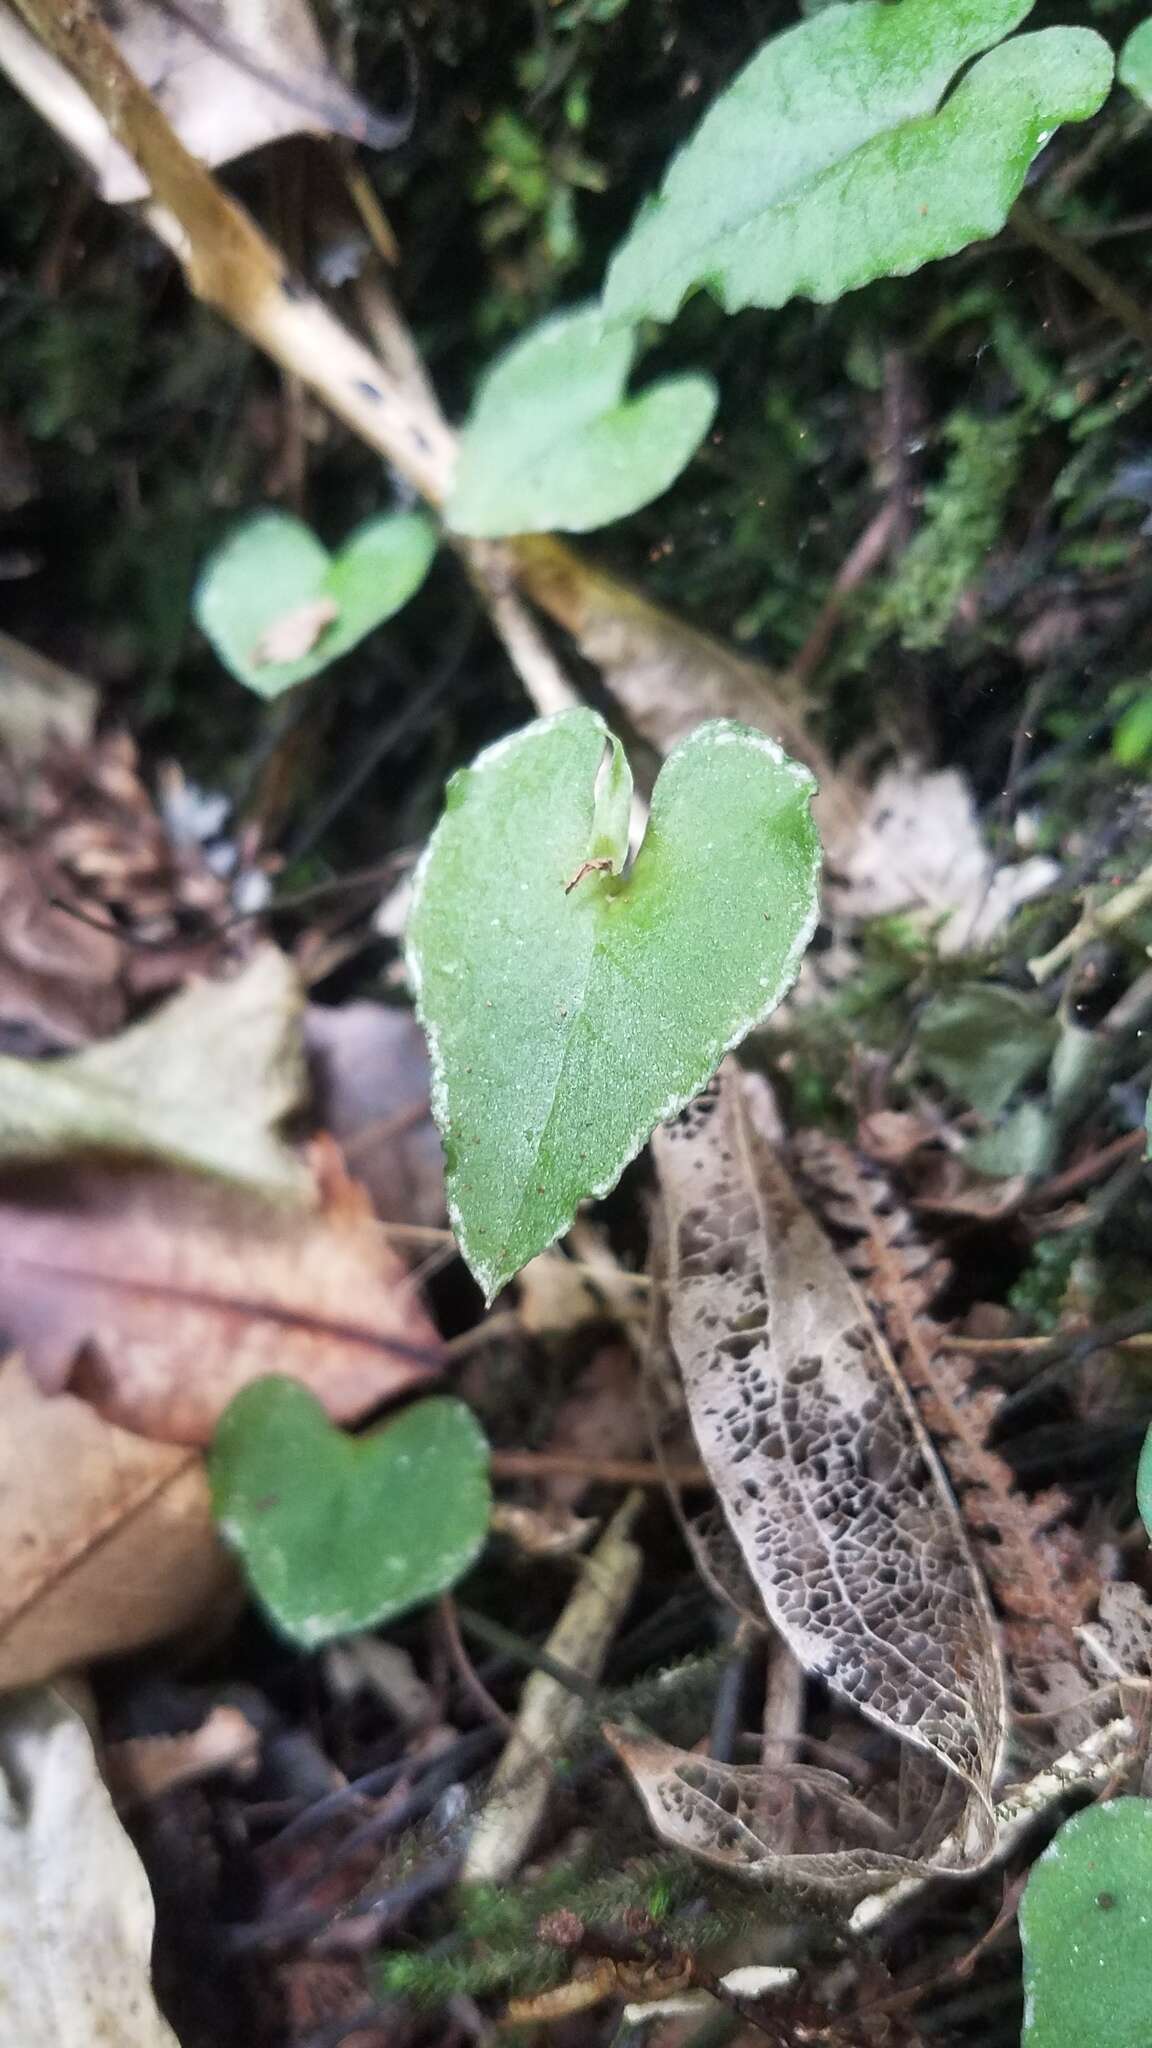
(1098, 282)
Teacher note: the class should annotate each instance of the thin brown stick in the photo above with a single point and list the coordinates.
(866, 556)
(610, 1471)
(463, 1666)
(1072, 257)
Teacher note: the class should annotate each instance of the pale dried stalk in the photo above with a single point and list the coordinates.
(549, 1712)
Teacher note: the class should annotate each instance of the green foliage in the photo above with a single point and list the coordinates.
(1039, 1292)
(341, 1533)
(826, 163)
(1134, 67)
(963, 517)
(570, 1009)
(1132, 736)
(552, 442)
(494, 1946)
(272, 573)
(984, 1041)
(1084, 1922)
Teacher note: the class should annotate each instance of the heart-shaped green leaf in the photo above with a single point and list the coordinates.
(271, 583)
(570, 1009)
(1084, 1922)
(826, 163)
(340, 1533)
(552, 442)
(1135, 66)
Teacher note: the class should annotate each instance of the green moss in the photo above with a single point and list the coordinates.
(963, 521)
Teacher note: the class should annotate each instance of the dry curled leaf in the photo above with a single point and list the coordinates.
(157, 1296)
(230, 75)
(76, 1914)
(109, 1541)
(828, 1481)
(1039, 1571)
(296, 633)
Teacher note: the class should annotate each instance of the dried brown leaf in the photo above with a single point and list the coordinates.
(156, 1296)
(1039, 1572)
(826, 1475)
(109, 1541)
(296, 632)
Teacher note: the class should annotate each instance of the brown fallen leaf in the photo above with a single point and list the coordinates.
(372, 1087)
(295, 633)
(145, 1767)
(109, 1541)
(156, 1296)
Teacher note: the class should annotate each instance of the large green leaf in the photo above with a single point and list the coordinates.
(568, 1017)
(1085, 1922)
(552, 441)
(273, 573)
(826, 163)
(1135, 66)
(340, 1533)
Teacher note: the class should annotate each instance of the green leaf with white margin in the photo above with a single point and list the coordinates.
(1085, 1921)
(826, 164)
(342, 1533)
(272, 574)
(567, 1017)
(552, 443)
(1134, 68)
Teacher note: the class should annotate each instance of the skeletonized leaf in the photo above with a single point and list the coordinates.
(828, 1480)
(830, 161)
(76, 1914)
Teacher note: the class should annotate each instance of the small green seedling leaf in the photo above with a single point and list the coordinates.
(1135, 65)
(553, 443)
(983, 1042)
(1085, 1920)
(1144, 1469)
(570, 1008)
(278, 607)
(340, 1533)
(830, 161)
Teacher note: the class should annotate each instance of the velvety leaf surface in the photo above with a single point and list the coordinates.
(829, 161)
(342, 1533)
(567, 1017)
(1135, 65)
(1085, 1921)
(272, 580)
(552, 441)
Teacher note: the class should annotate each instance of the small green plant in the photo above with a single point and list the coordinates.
(1134, 68)
(342, 1533)
(1084, 1923)
(573, 1001)
(571, 1005)
(279, 608)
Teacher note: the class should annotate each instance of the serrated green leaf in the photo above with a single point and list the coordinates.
(1134, 68)
(273, 568)
(340, 1533)
(568, 1017)
(983, 1041)
(829, 161)
(552, 442)
(1085, 1921)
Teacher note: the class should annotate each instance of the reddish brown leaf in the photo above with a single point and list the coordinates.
(157, 1296)
(109, 1541)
